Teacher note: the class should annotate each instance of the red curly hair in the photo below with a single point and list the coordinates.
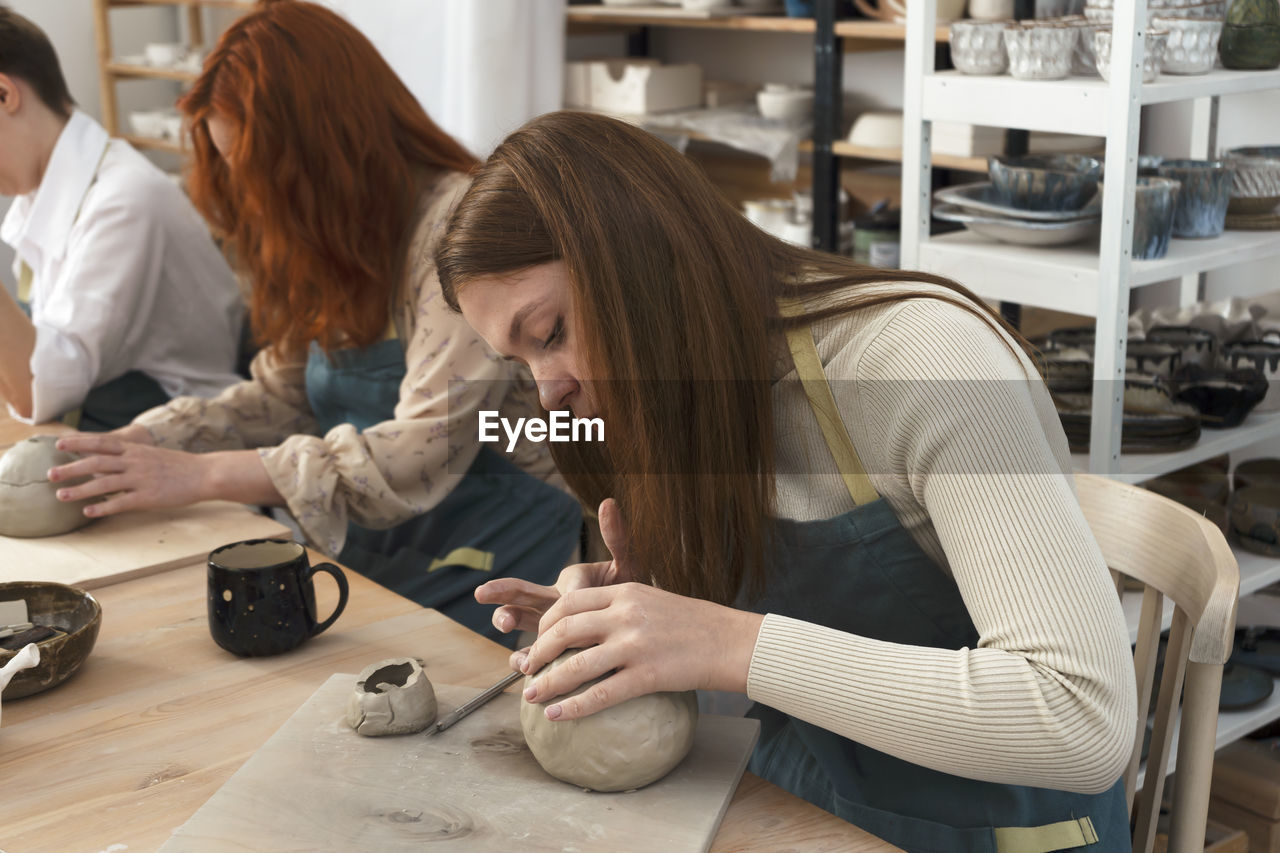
(318, 194)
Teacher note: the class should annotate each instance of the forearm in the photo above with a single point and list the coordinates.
(239, 475)
(17, 340)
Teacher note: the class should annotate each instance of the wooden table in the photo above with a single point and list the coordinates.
(160, 717)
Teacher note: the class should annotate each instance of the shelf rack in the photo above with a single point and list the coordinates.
(1091, 280)
(112, 72)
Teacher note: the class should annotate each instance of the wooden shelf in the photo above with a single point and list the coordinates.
(859, 34)
(153, 143)
(894, 155)
(121, 69)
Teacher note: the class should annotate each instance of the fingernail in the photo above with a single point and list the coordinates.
(524, 665)
(504, 623)
(92, 510)
(553, 713)
(530, 692)
(62, 494)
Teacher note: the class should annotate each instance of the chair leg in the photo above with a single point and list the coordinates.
(1196, 740)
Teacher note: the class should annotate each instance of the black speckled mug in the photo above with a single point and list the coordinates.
(262, 596)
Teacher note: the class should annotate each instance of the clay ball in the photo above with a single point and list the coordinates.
(627, 746)
(29, 506)
(392, 697)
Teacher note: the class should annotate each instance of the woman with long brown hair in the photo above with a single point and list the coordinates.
(330, 186)
(838, 490)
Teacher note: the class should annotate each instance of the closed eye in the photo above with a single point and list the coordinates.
(556, 331)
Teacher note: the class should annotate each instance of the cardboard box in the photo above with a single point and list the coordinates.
(1246, 792)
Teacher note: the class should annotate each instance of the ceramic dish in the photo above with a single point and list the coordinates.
(1255, 513)
(1074, 337)
(1264, 471)
(1203, 196)
(1203, 483)
(1192, 47)
(1039, 51)
(1153, 208)
(1021, 232)
(1151, 357)
(1258, 646)
(982, 197)
(1196, 346)
(1101, 15)
(1250, 47)
(977, 47)
(1152, 56)
(791, 105)
(67, 608)
(1256, 187)
(1260, 355)
(1056, 182)
(1223, 397)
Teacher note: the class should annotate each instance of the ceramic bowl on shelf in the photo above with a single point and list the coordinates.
(1256, 185)
(977, 47)
(1264, 471)
(1214, 10)
(991, 10)
(74, 613)
(1258, 355)
(1153, 207)
(1023, 232)
(1196, 346)
(148, 123)
(165, 54)
(1099, 14)
(1223, 397)
(1151, 357)
(1192, 47)
(1153, 53)
(790, 104)
(982, 197)
(1203, 197)
(1082, 62)
(1250, 46)
(1039, 50)
(1074, 338)
(1058, 182)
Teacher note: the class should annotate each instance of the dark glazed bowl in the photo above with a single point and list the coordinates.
(1198, 346)
(1223, 397)
(59, 606)
(1153, 209)
(1058, 182)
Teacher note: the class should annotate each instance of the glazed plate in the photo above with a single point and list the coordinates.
(982, 198)
(1021, 231)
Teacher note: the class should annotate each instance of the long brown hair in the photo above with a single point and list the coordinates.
(330, 157)
(669, 282)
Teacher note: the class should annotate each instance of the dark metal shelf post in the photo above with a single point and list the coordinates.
(827, 102)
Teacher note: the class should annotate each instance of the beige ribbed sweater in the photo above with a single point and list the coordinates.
(971, 457)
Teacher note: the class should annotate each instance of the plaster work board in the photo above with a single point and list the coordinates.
(133, 544)
(318, 786)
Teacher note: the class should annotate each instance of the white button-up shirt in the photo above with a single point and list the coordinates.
(125, 276)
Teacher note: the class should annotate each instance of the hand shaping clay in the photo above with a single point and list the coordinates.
(392, 697)
(617, 749)
(29, 506)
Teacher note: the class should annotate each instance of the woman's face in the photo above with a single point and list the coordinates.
(529, 317)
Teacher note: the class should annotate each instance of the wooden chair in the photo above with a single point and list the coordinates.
(1175, 553)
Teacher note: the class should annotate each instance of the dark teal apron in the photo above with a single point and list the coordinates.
(497, 522)
(864, 574)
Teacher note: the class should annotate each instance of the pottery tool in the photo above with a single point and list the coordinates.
(467, 707)
(13, 612)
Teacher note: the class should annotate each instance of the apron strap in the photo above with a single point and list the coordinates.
(1063, 835)
(818, 391)
(25, 275)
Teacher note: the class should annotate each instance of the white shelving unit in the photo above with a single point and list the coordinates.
(1091, 280)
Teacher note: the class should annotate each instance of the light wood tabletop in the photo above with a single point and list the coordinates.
(159, 717)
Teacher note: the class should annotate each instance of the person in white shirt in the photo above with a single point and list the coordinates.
(130, 301)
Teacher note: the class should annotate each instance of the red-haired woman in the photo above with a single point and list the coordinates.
(845, 495)
(331, 187)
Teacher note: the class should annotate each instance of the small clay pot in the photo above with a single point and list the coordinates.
(56, 605)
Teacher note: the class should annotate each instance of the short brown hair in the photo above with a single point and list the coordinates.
(26, 53)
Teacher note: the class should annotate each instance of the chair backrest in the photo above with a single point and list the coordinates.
(1177, 554)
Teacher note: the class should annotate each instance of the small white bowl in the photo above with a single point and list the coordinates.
(790, 105)
(1099, 14)
(977, 47)
(165, 54)
(1153, 53)
(1039, 50)
(1193, 43)
(148, 123)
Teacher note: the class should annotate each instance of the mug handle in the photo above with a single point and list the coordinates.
(342, 592)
